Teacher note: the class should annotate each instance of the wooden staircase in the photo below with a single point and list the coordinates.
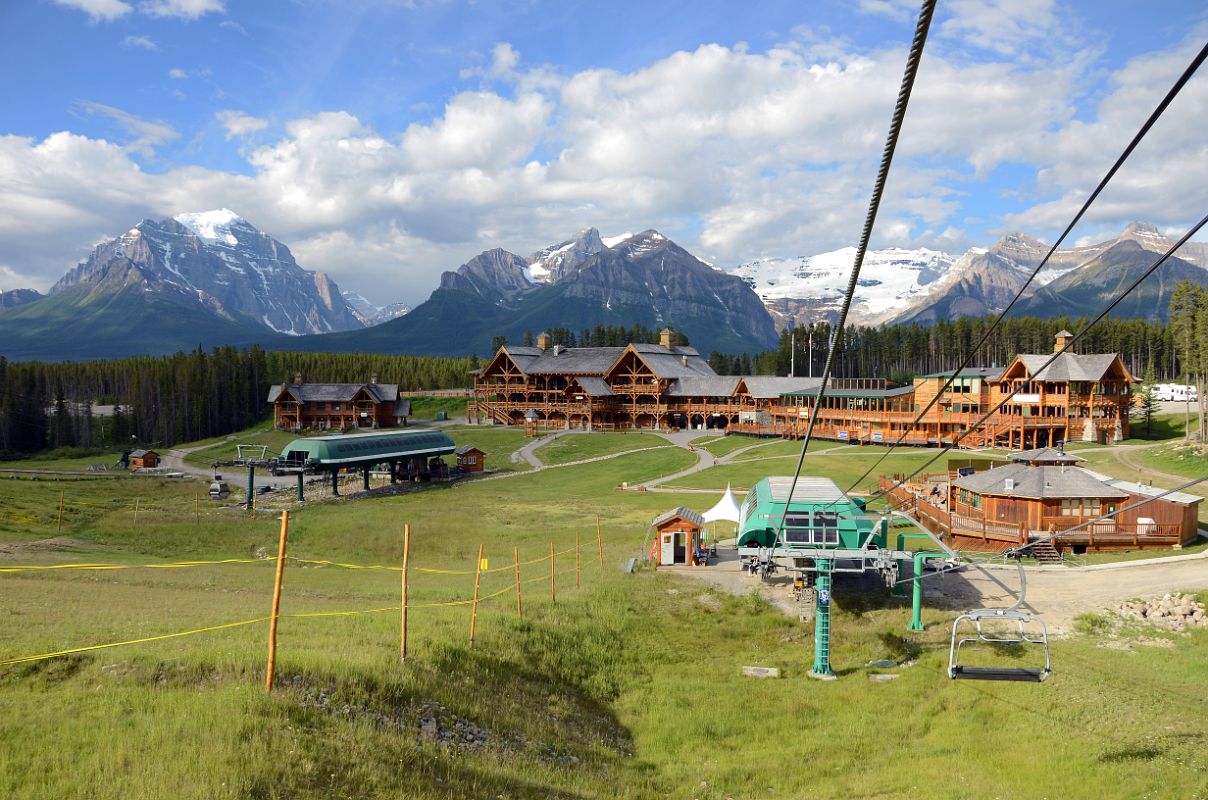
(1044, 552)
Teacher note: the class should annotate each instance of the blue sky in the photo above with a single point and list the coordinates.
(387, 141)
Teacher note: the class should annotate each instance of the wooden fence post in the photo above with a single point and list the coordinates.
(474, 605)
(403, 625)
(136, 512)
(196, 509)
(600, 542)
(59, 525)
(272, 625)
(576, 559)
(553, 596)
(519, 608)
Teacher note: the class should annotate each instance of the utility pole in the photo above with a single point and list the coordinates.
(793, 354)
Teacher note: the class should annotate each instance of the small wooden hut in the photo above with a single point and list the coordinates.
(139, 459)
(677, 535)
(470, 458)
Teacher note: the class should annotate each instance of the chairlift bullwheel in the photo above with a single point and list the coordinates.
(1009, 626)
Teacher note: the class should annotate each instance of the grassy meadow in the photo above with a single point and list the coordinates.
(628, 686)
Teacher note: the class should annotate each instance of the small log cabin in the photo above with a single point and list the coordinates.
(338, 406)
(470, 459)
(140, 459)
(676, 537)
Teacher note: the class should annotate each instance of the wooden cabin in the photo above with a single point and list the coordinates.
(470, 459)
(141, 459)
(676, 537)
(338, 406)
(1038, 495)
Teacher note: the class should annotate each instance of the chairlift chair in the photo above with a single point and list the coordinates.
(1024, 636)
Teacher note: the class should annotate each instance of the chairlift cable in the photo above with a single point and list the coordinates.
(1085, 329)
(1132, 145)
(891, 143)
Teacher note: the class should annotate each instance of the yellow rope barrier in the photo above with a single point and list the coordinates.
(174, 565)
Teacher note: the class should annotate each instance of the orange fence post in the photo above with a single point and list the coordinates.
(474, 605)
(576, 559)
(196, 509)
(553, 597)
(600, 541)
(403, 626)
(59, 526)
(272, 625)
(519, 608)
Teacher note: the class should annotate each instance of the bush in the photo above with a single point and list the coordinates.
(1089, 623)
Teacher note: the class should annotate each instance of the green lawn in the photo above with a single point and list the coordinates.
(578, 446)
(627, 687)
(225, 448)
(497, 442)
(425, 408)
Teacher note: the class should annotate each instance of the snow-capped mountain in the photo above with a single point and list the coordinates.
(369, 314)
(217, 261)
(807, 288)
(556, 261)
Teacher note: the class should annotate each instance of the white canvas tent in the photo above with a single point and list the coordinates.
(726, 508)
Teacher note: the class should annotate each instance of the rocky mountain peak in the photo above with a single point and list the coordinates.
(555, 262)
(1147, 236)
(218, 261)
(1020, 249)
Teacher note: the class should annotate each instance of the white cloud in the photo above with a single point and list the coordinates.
(238, 124)
(734, 153)
(178, 74)
(139, 43)
(99, 10)
(146, 134)
(231, 24)
(898, 10)
(183, 9)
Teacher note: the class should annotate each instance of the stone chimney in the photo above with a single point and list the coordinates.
(684, 360)
(297, 379)
(1063, 338)
(373, 379)
(665, 337)
(543, 340)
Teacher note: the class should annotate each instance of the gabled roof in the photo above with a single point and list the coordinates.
(574, 361)
(1049, 482)
(466, 448)
(334, 392)
(596, 387)
(773, 386)
(1069, 366)
(402, 408)
(703, 386)
(1044, 455)
(676, 362)
(141, 453)
(685, 513)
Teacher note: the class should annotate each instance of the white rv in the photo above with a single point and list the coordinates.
(1176, 391)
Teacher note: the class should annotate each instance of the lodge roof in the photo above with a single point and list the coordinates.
(1044, 455)
(1068, 366)
(571, 361)
(772, 386)
(402, 408)
(704, 386)
(1045, 482)
(596, 387)
(334, 392)
(141, 453)
(1132, 487)
(685, 513)
(985, 373)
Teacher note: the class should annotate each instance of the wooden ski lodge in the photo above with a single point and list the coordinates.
(337, 406)
(664, 386)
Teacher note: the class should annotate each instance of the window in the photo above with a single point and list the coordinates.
(969, 498)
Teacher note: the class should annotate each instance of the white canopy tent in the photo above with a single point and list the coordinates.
(726, 510)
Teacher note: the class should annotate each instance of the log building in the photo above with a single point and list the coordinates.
(663, 386)
(337, 406)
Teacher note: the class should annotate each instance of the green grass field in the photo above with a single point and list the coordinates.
(425, 408)
(626, 687)
(579, 446)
